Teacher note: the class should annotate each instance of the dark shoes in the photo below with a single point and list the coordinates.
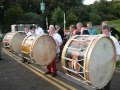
(0, 58)
(53, 75)
(23, 61)
(48, 72)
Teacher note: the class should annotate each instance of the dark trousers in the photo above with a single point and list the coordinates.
(52, 66)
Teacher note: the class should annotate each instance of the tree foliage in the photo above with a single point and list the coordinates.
(13, 14)
(57, 16)
(30, 18)
(20, 10)
(116, 9)
(95, 18)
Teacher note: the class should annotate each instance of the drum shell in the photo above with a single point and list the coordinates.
(88, 70)
(40, 49)
(13, 41)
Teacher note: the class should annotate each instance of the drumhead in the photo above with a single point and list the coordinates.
(44, 50)
(17, 41)
(100, 62)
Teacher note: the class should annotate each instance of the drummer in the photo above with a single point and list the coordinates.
(38, 30)
(58, 40)
(26, 30)
(31, 31)
(106, 31)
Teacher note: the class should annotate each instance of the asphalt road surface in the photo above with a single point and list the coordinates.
(14, 76)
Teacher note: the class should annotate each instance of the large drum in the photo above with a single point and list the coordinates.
(90, 59)
(40, 49)
(13, 40)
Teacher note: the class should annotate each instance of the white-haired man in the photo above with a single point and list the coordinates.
(51, 68)
(81, 30)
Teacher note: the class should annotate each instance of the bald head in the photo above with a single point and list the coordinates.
(51, 29)
(79, 25)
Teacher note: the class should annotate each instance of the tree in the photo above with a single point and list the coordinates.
(13, 14)
(30, 18)
(116, 9)
(65, 5)
(80, 12)
(71, 18)
(95, 18)
(1, 2)
(30, 6)
(57, 16)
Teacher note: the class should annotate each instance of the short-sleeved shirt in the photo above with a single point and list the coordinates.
(58, 40)
(39, 31)
(29, 33)
(117, 45)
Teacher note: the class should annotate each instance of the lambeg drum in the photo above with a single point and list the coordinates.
(90, 59)
(40, 49)
(13, 40)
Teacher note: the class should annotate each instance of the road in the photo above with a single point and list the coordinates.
(17, 76)
(14, 76)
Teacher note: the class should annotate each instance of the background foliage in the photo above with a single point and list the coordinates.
(28, 11)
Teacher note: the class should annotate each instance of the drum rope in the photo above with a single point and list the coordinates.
(77, 73)
(72, 59)
(79, 50)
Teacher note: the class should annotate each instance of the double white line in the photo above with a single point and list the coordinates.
(59, 84)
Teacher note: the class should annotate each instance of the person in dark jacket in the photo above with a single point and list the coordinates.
(59, 31)
(115, 32)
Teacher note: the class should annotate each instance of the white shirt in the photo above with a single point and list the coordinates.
(39, 31)
(58, 40)
(29, 33)
(117, 45)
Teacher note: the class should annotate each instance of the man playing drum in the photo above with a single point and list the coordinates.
(58, 41)
(39, 30)
(106, 31)
(113, 31)
(31, 31)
